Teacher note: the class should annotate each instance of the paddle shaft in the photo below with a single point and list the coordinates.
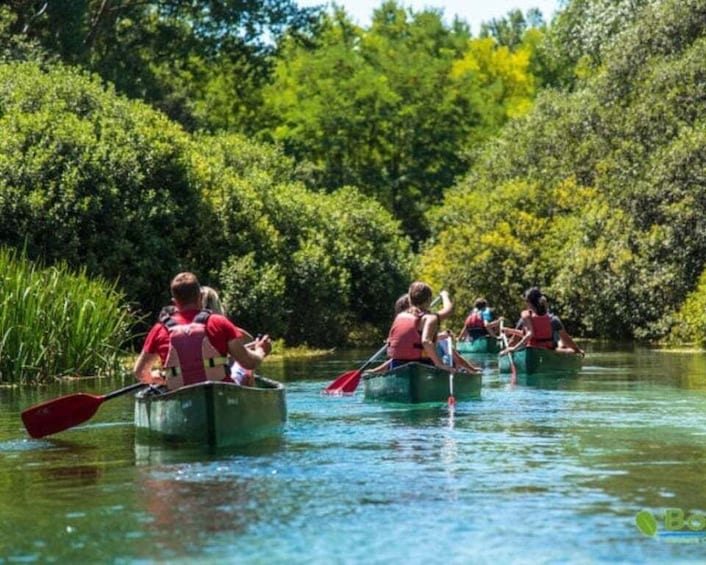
(373, 358)
(450, 345)
(124, 390)
(513, 369)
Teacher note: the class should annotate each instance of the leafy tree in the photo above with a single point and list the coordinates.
(580, 33)
(110, 185)
(94, 180)
(433, 93)
(306, 266)
(689, 323)
(499, 78)
(510, 30)
(612, 174)
(14, 47)
(175, 55)
(507, 238)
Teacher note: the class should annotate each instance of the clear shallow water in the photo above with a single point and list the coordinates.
(545, 471)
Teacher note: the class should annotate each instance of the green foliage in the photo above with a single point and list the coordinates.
(580, 34)
(434, 93)
(307, 266)
(94, 180)
(507, 238)
(510, 31)
(16, 47)
(501, 79)
(176, 55)
(113, 187)
(595, 193)
(610, 218)
(55, 322)
(689, 323)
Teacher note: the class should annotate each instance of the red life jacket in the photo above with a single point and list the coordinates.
(191, 357)
(404, 342)
(542, 332)
(475, 320)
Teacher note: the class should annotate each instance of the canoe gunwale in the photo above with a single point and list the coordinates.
(483, 345)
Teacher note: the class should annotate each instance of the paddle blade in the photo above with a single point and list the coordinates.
(60, 414)
(345, 384)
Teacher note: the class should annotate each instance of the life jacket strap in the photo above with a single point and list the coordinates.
(214, 362)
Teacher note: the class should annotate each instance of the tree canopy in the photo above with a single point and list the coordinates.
(298, 161)
(112, 186)
(434, 92)
(595, 194)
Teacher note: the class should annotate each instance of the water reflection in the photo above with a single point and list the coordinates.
(156, 453)
(550, 382)
(557, 466)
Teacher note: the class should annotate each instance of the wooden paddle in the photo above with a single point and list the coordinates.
(67, 411)
(348, 381)
(513, 369)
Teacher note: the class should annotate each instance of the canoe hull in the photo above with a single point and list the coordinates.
(481, 345)
(537, 360)
(414, 383)
(215, 414)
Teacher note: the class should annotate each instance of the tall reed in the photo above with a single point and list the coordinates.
(55, 322)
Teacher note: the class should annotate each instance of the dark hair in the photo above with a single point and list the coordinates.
(402, 304)
(185, 288)
(480, 303)
(538, 301)
(419, 293)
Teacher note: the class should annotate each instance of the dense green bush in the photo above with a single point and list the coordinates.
(309, 267)
(92, 179)
(113, 187)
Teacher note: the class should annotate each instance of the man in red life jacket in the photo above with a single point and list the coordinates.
(193, 344)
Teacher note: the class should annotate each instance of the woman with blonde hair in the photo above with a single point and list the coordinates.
(211, 301)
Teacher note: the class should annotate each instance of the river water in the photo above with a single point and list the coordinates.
(546, 471)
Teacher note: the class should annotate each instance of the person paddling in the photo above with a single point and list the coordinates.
(480, 322)
(539, 328)
(193, 344)
(413, 334)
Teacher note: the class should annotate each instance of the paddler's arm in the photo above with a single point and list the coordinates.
(143, 367)
(250, 355)
(429, 327)
(447, 306)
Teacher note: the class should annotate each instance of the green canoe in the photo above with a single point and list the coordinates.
(538, 360)
(418, 382)
(480, 345)
(215, 414)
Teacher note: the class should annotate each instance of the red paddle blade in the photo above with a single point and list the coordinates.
(345, 384)
(60, 414)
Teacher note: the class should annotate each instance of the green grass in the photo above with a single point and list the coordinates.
(56, 323)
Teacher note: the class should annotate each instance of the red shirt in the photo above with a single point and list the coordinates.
(219, 329)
